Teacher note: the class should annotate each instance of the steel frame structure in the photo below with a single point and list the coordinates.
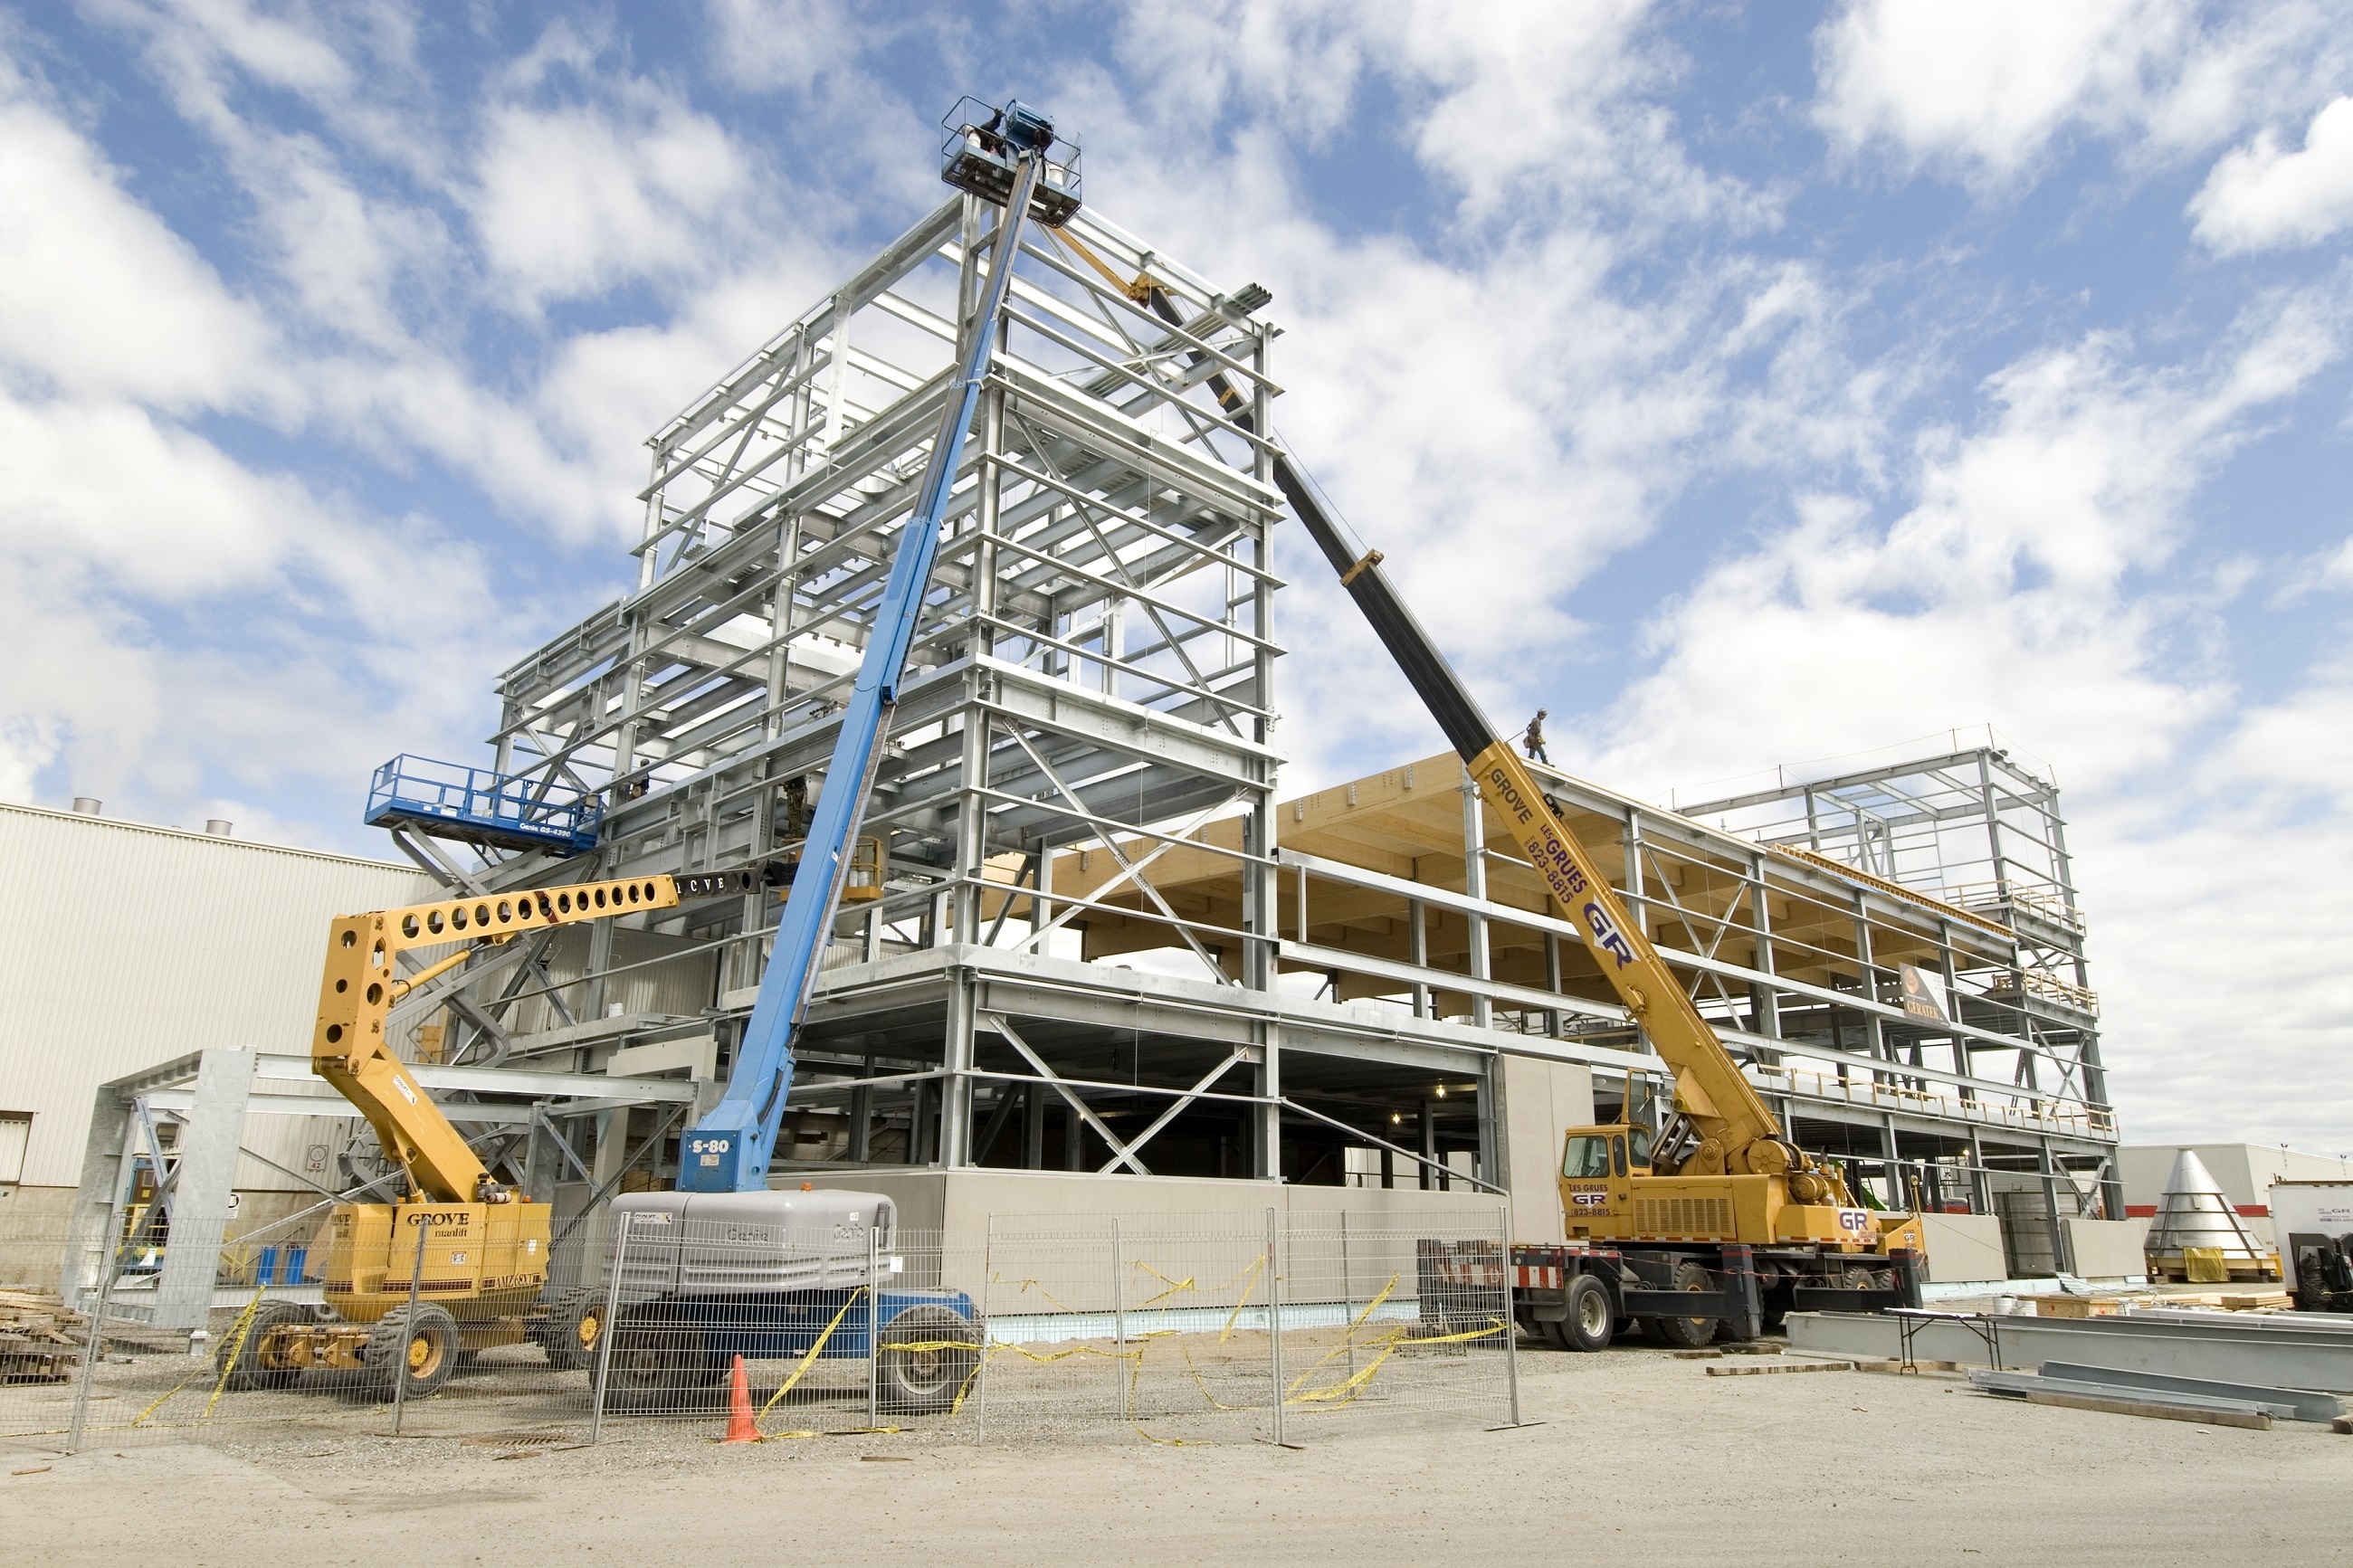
(1094, 660)
(1082, 770)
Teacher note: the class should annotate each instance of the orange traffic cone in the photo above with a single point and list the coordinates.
(740, 1427)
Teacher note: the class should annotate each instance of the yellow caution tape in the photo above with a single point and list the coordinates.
(809, 1359)
(244, 1326)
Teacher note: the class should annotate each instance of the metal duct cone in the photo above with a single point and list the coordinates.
(2194, 1211)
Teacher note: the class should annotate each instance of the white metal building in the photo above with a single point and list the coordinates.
(2246, 1172)
(124, 946)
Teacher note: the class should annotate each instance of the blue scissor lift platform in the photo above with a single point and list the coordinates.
(475, 805)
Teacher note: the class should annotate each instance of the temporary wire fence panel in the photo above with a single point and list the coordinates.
(1135, 1329)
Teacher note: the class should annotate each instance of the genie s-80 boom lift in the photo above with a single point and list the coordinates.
(724, 1266)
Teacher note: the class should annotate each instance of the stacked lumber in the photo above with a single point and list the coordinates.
(40, 1338)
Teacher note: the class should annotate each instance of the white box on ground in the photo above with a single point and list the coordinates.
(1962, 1246)
(2107, 1249)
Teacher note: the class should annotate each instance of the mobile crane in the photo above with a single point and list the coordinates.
(1719, 1223)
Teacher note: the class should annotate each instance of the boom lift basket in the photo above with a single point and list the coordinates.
(977, 155)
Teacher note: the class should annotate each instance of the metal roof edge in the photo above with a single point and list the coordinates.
(161, 831)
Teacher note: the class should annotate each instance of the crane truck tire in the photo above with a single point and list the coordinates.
(420, 1343)
(1553, 1333)
(572, 1329)
(1587, 1325)
(257, 1362)
(1689, 1332)
(926, 1357)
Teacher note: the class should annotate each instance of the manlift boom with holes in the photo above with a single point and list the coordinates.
(1721, 1204)
(457, 1262)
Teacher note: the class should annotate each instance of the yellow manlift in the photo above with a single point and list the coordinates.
(483, 1245)
(1719, 1220)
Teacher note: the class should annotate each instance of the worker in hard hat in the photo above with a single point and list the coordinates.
(1533, 738)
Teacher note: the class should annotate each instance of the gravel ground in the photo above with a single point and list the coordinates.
(1641, 1454)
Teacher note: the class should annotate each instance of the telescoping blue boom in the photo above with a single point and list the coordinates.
(729, 1151)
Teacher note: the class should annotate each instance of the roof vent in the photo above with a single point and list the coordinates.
(85, 806)
(218, 828)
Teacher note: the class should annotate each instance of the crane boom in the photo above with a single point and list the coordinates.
(1736, 1130)
(361, 984)
(729, 1149)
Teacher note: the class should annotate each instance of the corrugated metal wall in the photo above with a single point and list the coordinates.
(122, 946)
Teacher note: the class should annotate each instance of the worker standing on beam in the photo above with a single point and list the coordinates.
(1535, 738)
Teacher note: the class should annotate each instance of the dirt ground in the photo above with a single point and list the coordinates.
(1639, 1457)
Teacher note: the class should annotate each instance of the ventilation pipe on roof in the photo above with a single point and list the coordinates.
(85, 806)
(218, 828)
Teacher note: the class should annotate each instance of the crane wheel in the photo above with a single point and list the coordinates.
(572, 1330)
(260, 1361)
(926, 1358)
(419, 1344)
(1590, 1316)
(1555, 1334)
(1689, 1332)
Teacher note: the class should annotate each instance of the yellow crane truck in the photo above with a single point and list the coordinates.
(1715, 1223)
(457, 1262)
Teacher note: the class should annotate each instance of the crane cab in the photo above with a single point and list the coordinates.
(1597, 1167)
(983, 144)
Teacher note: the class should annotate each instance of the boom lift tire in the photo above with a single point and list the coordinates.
(656, 1362)
(1587, 1325)
(570, 1333)
(258, 1365)
(1689, 1332)
(926, 1357)
(420, 1343)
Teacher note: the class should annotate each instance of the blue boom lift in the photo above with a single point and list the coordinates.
(723, 1266)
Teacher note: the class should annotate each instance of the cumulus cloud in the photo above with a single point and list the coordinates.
(1552, 339)
(1989, 85)
(1987, 93)
(2263, 197)
(1506, 101)
(573, 200)
(97, 296)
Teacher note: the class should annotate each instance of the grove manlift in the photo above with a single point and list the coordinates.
(457, 1262)
(1719, 1223)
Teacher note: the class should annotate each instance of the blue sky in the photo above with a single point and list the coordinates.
(1745, 384)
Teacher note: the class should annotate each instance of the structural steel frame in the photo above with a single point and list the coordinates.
(1083, 769)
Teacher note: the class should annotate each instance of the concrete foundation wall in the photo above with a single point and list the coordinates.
(34, 1224)
(1050, 1248)
(1962, 1246)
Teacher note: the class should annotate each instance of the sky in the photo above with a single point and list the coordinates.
(1748, 385)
